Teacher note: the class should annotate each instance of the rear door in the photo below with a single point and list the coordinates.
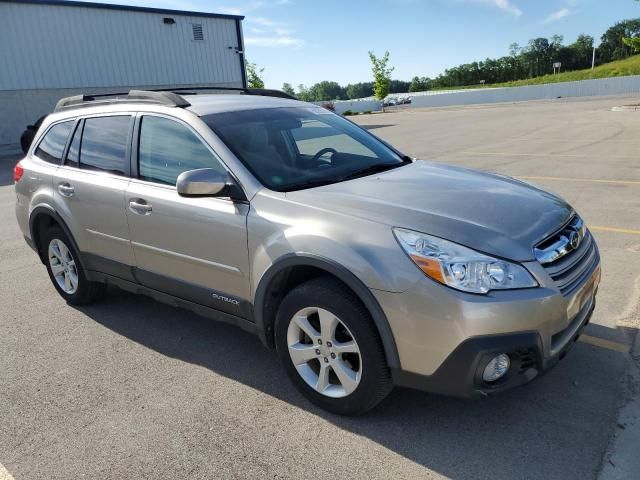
(193, 248)
(90, 192)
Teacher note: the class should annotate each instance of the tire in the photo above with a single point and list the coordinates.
(364, 380)
(73, 286)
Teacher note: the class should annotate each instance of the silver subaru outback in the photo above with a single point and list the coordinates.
(361, 267)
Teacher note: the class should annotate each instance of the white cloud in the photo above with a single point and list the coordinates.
(555, 16)
(273, 41)
(229, 10)
(506, 5)
(254, 5)
(265, 22)
(268, 33)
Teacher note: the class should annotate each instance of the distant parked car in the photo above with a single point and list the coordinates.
(28, 135)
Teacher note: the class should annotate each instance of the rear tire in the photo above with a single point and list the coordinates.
(65, 271)
(330, 348)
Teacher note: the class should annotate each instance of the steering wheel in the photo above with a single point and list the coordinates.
(322, 152)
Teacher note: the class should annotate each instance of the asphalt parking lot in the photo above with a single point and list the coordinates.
(130, 388)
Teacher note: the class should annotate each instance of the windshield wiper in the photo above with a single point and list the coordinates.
(371, 169)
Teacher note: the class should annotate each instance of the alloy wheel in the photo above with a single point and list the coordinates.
(324, 352)
(63, 266)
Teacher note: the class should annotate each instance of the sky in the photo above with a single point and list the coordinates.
(306, 41)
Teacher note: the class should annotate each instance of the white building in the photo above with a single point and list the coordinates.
(51, 49)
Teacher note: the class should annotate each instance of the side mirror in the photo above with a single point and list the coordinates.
(208, 182)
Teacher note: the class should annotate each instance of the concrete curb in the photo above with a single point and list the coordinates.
(622, 461)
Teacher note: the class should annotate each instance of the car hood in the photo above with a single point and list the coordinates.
(491, 213)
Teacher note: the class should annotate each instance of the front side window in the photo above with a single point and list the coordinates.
(300, 147)
(167, 148)
(51, 147)
(104, 144)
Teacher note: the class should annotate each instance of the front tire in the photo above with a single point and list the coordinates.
(330, 348)
(65, 271)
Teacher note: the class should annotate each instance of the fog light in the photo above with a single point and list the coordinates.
(496, 368)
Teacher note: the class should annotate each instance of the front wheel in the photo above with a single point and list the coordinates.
(331, 349)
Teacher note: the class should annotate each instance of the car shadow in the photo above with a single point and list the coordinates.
(556, 427)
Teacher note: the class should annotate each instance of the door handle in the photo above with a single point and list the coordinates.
(140, 206)
(66, 190)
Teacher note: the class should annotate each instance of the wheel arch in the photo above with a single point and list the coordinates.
(265, 305)
(42, 217)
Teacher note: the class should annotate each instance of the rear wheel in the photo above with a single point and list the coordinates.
(330, 348)
(65, 271)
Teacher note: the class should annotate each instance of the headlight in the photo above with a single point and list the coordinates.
(461, 267)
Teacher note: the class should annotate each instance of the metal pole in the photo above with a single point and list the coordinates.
(593, 59)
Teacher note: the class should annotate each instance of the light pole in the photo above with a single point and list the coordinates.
(593, 58)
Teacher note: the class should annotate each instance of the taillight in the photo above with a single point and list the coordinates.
(18, 171)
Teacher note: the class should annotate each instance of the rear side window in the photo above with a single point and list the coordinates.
(51, 147)
(104, 144)
(168, 148)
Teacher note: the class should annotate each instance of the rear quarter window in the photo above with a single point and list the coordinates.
(51, 147)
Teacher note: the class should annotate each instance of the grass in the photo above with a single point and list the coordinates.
(619, 68)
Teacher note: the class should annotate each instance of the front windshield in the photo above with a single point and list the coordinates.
(300, 147)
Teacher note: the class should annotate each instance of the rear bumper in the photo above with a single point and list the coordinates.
(460, 374)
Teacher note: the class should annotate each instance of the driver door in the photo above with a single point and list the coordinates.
(192, 248)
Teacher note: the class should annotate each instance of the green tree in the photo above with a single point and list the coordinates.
(254, 76)
(419, 84)
(612, 46)
(287, 88)
(359, 90)
(326, 90)
(381, 75)
(304, 94)
(634, 43)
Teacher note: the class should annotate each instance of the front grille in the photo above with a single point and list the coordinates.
(575, 266)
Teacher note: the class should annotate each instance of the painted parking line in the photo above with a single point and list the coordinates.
(602, 343)
(549, 155)
(588, 180)
(597, 228)
(4, 474)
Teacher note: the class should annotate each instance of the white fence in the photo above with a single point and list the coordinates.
(629, 85)
(585, 88)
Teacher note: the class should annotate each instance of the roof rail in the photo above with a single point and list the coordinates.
(147, 96)
(161, 96)
(265, 92)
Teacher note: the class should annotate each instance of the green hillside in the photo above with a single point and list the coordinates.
(620, 68)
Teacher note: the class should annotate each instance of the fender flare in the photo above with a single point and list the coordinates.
(50, 212)
(344, 275)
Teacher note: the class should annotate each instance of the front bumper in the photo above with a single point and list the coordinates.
(445, 338)
(461, 373)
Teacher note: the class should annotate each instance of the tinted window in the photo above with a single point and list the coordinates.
(73, 154)
(52, 145)
(300, 147)
(168, 148)
(104, 144)
(315, 135)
